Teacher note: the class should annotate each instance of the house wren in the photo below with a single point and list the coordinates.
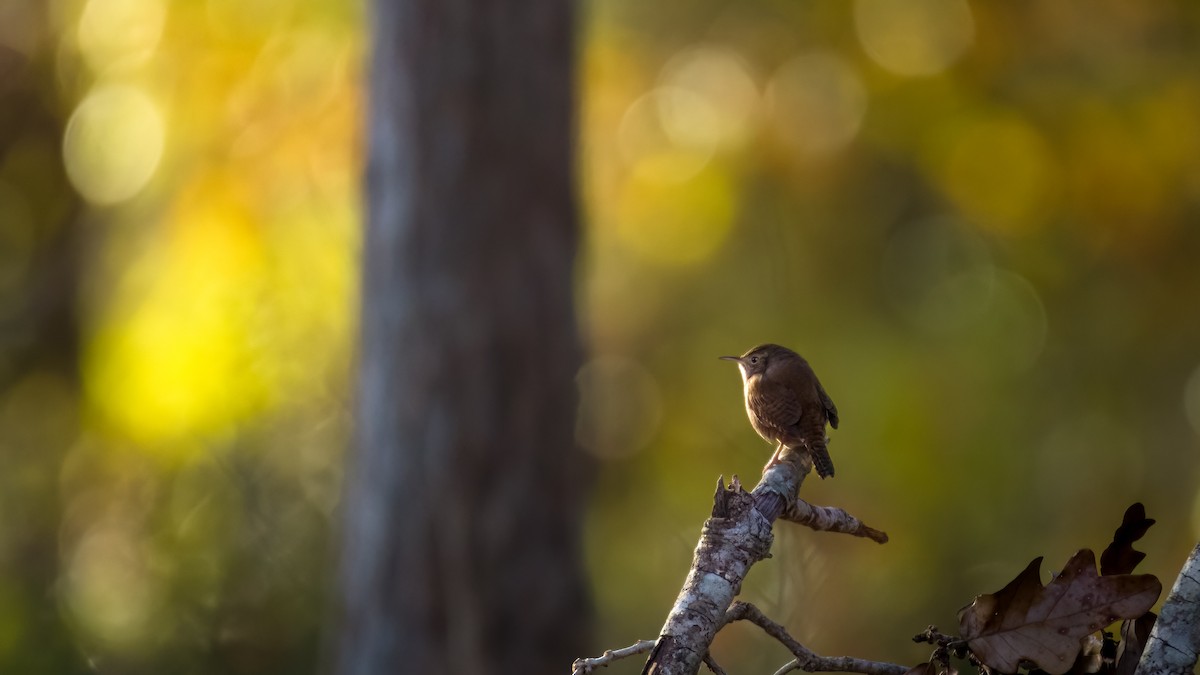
(786, 403)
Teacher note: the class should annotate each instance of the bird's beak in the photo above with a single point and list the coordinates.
(730, 358)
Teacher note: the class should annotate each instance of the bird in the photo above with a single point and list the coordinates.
(786, 403)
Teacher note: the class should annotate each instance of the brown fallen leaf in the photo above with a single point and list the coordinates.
(925, 668)
(1120, 556)
(1089, 660)
(1134, 633)
(1026, 622)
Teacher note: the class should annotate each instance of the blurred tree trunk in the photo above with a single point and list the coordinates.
(461, 549)
(40, 240)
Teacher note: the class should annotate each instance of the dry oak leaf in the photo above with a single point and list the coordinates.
(1026, 622)
(1120, 557)
(1134, 634)
(925, 668)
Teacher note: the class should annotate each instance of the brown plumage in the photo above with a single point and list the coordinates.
(786, 403)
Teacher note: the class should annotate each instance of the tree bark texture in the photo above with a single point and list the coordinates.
(734, 538)
(461, 550)
(1175, 639)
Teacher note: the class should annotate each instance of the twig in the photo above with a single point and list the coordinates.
(806, 659)
(1175, 639)
(585, 666)
(712, 665)
(830, 519)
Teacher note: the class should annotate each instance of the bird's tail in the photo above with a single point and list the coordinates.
(821, 460)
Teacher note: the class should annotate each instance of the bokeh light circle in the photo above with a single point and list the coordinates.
(722, 79)
(669, 134)
(914, 37)
(940, 277)
(921, 259)
(1001, 172)
(113, 143)
(106, 586)
(817, 103)
(120, 33)
(676, 223)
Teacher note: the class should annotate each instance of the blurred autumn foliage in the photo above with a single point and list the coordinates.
(978, 221)
(171, 470)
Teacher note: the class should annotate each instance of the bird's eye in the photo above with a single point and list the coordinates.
(753, 359)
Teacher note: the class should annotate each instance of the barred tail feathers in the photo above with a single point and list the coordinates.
(821, 459)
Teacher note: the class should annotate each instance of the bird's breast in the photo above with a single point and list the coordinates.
(750, 383)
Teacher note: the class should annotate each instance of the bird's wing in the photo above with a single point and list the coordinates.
(827, 403)
(776, 406)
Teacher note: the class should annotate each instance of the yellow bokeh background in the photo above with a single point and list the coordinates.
(977, 220)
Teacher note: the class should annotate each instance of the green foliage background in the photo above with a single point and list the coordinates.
(978, 221)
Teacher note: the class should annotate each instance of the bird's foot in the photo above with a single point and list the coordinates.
(776, 458)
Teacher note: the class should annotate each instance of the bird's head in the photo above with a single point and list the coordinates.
(755, 361)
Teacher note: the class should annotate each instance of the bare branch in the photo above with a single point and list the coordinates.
(737, 536)
(585, 666)
(806, 659)
(830, 519)
(712, 665)
(1175, 640)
